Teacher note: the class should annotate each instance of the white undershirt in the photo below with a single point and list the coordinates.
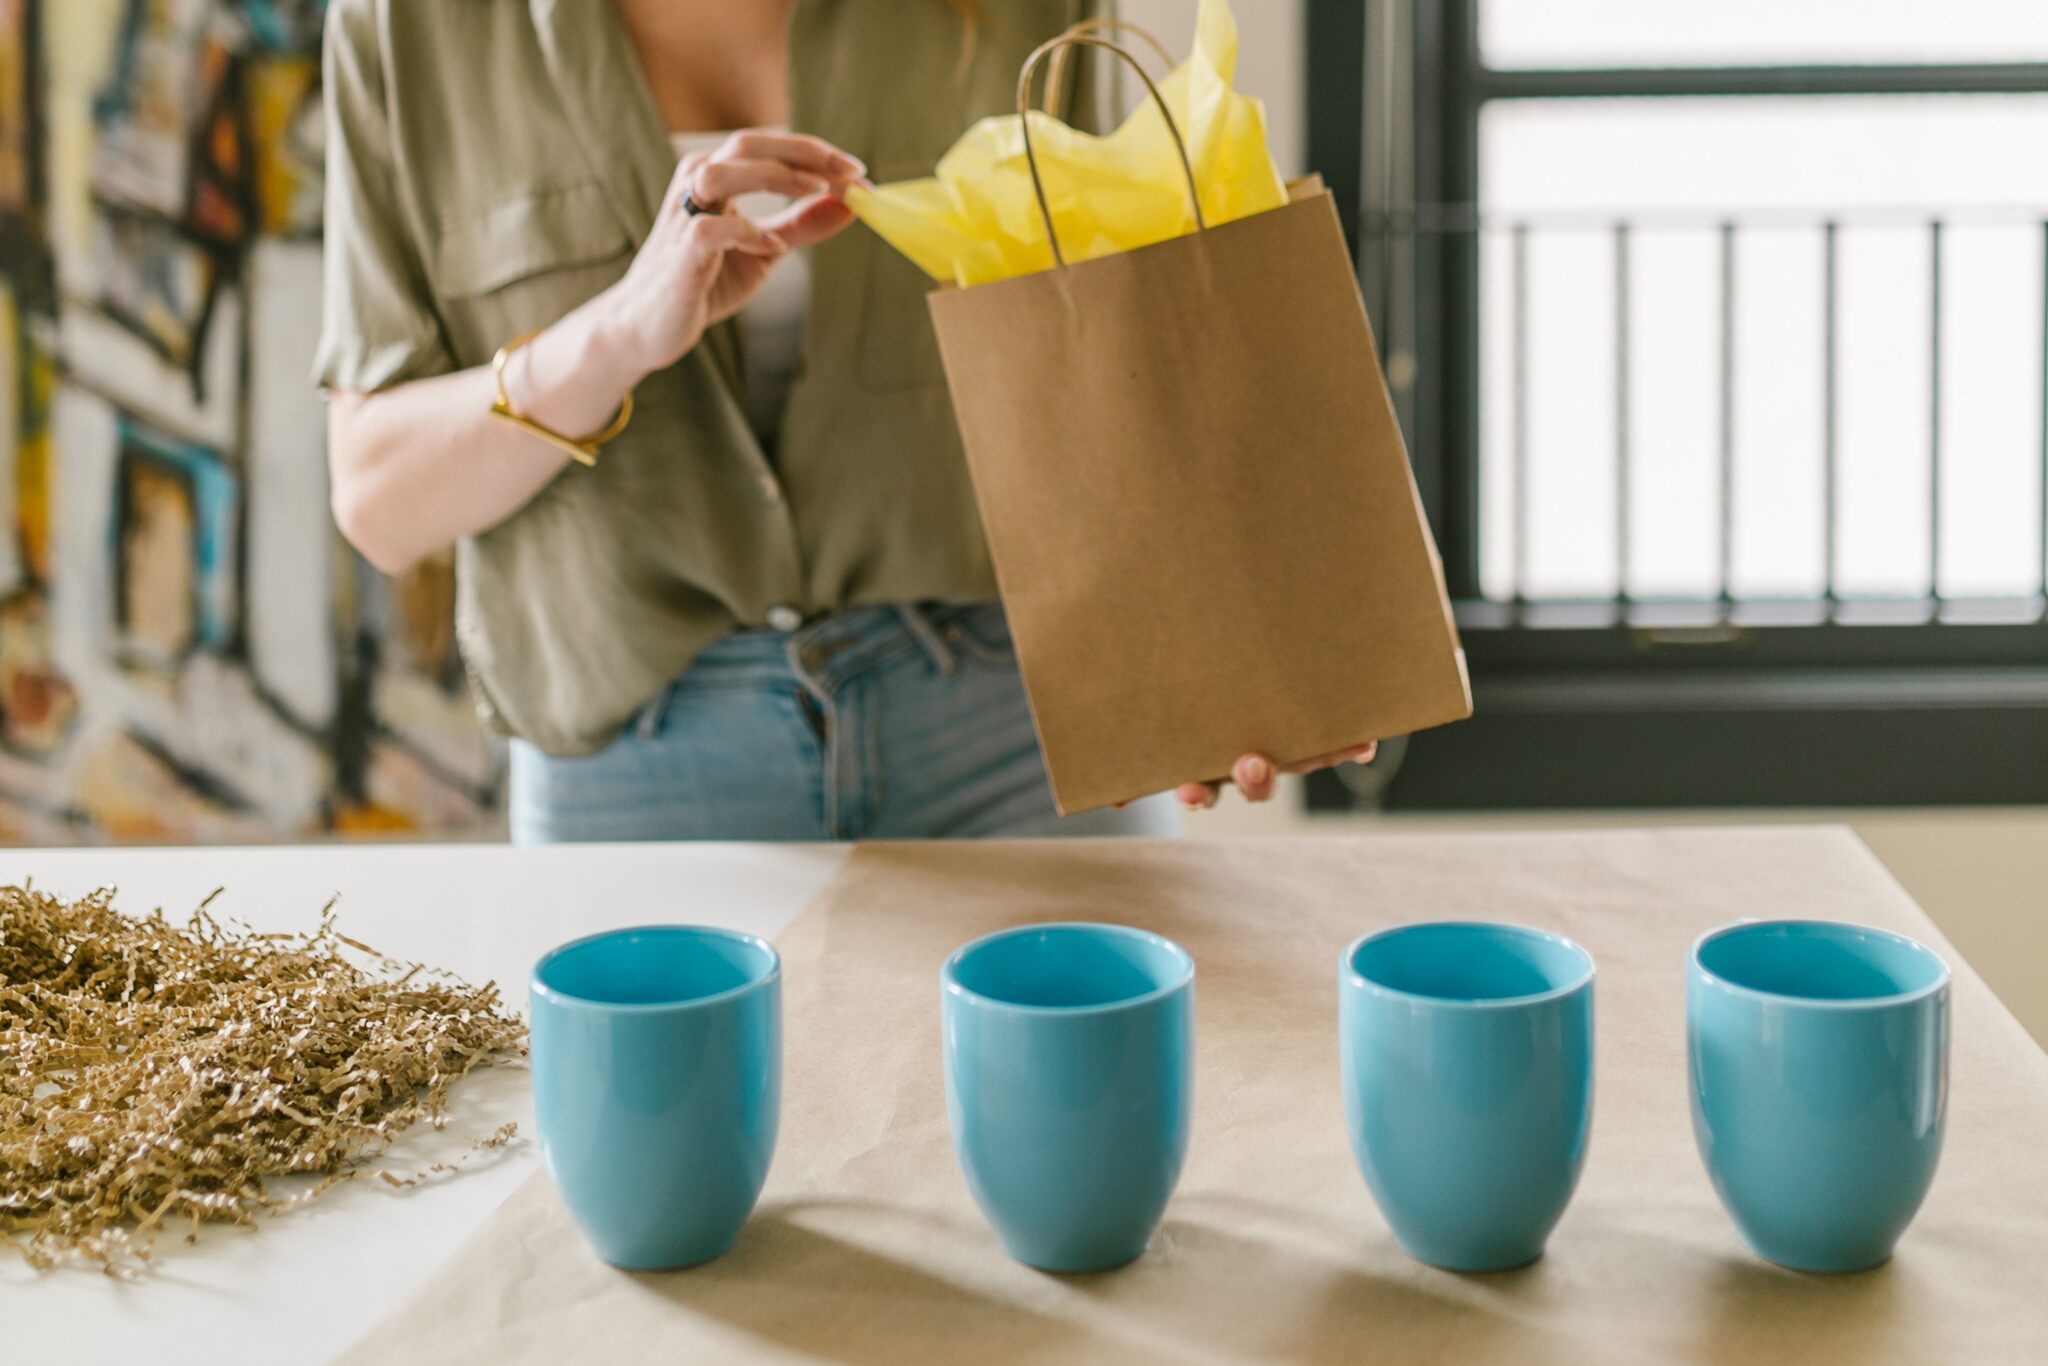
(772, 323)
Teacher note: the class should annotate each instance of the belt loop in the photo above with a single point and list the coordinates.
(654, 713)
(928, 639)
(805, 663)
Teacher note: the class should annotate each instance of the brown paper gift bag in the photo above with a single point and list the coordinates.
(1198, 501)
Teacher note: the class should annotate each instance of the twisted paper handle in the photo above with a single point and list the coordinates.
(1056, 74)
(1076, 38)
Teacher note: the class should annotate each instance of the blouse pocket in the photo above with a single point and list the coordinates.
(524, 261)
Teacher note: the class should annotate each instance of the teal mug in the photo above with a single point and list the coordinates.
(657, 1086)
(1818, 1061)
(1069, 1060)
(1467, 1060)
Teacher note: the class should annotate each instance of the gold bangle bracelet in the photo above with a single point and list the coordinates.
(583, 450)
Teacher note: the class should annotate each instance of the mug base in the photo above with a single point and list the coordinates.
(673, 1261)
(1470, 1265)
(1079, 1266)
(1812, 1266)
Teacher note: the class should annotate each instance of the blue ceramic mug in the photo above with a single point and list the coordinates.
(1819, 1065)
(657, 1086)
(1069, 1077)
(1467, 1055)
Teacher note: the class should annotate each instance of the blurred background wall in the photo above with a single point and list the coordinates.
(187, 650)
(1273, 34)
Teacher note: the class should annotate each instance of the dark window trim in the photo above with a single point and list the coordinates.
(1871, 704)
(2003, 78)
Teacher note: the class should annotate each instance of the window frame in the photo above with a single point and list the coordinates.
(1872, 704)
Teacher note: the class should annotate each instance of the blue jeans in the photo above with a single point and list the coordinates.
(877, 723)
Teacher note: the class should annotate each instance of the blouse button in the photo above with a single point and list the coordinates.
(783, 617)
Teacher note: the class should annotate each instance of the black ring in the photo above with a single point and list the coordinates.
(693, 208)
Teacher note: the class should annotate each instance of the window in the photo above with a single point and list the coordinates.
(1720, 338)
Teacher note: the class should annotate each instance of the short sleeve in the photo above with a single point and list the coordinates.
(379, 325)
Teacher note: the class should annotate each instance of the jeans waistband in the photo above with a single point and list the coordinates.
(830, 650)
(821, 655)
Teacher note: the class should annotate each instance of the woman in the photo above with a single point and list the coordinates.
(719, 570)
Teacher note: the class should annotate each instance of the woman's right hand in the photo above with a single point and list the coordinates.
(407, 479)
(695, 270)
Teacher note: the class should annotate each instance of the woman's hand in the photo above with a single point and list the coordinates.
(695, 270)
(1256, 775)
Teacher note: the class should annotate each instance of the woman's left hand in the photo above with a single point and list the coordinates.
(1256, 776)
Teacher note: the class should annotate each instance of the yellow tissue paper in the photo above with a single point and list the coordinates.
(977, 219)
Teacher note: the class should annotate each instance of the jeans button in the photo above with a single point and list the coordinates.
(783, 617)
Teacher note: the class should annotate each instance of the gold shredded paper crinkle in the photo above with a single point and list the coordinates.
(152, 1073)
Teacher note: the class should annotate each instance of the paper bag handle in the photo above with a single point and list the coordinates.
(1056, 74)
(1074, 39)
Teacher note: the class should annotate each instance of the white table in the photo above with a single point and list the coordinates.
(304, 1286)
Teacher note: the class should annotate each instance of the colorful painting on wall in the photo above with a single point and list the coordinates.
(187, 649)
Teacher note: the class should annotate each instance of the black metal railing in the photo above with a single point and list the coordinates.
(1457, 229)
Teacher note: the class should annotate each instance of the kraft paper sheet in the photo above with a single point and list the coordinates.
(867, 1248)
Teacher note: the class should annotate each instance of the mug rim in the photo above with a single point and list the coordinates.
(951, 985)
(1354, 978)
(1897, 998)
(555, 996)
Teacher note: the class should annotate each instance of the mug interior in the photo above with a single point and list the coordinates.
(1470, 962)
(1067, 967)
(1819, 961)
(655, 965)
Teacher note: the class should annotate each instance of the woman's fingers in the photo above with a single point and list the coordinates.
(712, 235)
(1357, 754)
(719, 180)
(791, 164)
(1258, 777)
(810, 222)
(727, 259)
(796, 149)
(684, 177)
(1255, 776)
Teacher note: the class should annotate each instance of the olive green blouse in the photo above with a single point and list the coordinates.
(491, 164)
